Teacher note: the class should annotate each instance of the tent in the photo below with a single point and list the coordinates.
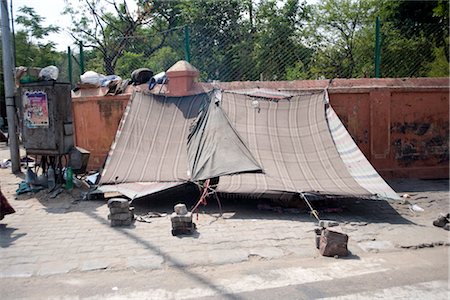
(256, 142)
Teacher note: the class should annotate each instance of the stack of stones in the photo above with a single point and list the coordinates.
(120, 212)
(181, 220)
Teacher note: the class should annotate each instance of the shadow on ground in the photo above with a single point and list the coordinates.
(7, 236)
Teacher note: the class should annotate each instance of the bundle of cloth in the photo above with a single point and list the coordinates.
(5, 207)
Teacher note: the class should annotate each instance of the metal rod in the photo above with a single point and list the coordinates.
(313, 211)
(81, 58)
(8, 73)
(187, 46)
(377, 48)
(69, 57)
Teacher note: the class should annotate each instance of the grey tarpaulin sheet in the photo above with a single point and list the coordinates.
(215, 148)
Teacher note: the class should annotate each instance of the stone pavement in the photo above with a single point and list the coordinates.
(56, 236)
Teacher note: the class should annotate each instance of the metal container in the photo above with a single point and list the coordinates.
(46, 117)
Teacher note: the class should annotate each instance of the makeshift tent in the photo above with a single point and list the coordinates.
(262, 143)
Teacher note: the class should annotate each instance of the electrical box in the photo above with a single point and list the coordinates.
(46, 117)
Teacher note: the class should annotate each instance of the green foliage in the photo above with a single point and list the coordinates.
(32, 22)
(440, 66)
(265, 39)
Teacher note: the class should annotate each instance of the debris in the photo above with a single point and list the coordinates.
(318, 232)
(140, 76)
(406, 196)
(5, 164)
(181, 220)
(92, 179)
(416, 208)
(333, 242)
(150, 215)
(441, 220)
(58, 190)
(120, 212)
(328, 223)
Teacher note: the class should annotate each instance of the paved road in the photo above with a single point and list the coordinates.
(418, 274)
(52, 248)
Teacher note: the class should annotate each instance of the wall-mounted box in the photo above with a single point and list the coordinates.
(46, 117)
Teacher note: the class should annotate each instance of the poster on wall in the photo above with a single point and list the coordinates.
(35, 111)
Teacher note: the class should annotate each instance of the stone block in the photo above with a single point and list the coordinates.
(187, 218)
(119, 210)
(117, 223)
(120, 217)
(118, 203)
(333, 243)
(180, 209)
(327, 223)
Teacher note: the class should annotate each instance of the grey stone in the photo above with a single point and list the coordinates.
(181, 218)
(180, 209)
(118, 202)
(328, 223)
(121, 216)
(440, 221)
(118, 210)
(116, 223)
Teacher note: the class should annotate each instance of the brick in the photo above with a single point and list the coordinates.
(116, 223)
(327, 223)
(118, 210)
(120, 217)
(118, 202)
(181, 218)
(180, 209)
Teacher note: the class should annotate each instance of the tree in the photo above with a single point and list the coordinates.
(31, 51)
(415, 38)
(342, 37)
(279, 48)
(108, 29)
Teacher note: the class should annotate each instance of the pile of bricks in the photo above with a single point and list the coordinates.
(120, 212)
(182, 220)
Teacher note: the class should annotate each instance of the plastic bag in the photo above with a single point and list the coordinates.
(49, 73)
(91, 77)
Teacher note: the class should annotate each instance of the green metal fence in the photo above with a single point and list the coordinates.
(382, 49)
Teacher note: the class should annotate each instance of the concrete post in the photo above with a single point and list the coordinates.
(8, 71)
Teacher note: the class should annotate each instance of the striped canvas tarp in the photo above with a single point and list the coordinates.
(287, 135)
(290, 138)
(150, 145)
(357, 164)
